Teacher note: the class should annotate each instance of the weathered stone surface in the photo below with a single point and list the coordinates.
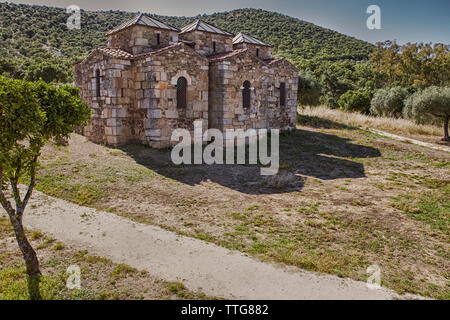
(138, 86)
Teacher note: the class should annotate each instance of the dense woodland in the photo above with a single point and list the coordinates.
(36, 35)
(335, 70)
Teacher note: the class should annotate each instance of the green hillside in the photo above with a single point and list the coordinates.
(31, 36)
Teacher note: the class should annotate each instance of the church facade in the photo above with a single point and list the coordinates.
(153, 78)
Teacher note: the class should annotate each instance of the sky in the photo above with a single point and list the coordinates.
(401, 20)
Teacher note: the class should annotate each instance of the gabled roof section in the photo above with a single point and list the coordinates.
(143, 20)
(245, 38)
(200, 25)
(226, 55)
(109, 52)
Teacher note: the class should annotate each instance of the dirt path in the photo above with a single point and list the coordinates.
(408, 140)
(214, 270)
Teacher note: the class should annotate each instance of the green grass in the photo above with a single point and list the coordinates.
(432, 208)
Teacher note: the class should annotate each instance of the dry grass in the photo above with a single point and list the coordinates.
(344, 199)
(101, 279)
(398, 126)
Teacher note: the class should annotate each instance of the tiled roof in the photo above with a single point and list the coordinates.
(115, 53)
(271, 61)
(110, 52)
(142, 55)
(225, 55)
(203, 26)
(242, 37)
(143, 20)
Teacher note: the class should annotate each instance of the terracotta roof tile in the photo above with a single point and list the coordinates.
(273, 60)
(225, 55)
(116, 53)
(142, 55)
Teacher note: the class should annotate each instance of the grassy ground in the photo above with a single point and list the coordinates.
(100, 278)
(404, 127)
(344, 199)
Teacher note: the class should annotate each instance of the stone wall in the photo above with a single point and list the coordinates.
(155, 82)
(110, 119)
(204, 41)
(265, 52)
(227, 77)
(141, 39)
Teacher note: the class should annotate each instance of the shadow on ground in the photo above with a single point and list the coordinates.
(303, 154)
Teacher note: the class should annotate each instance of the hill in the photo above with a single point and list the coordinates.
(29, 33)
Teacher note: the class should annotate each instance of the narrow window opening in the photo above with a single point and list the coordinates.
(214, 47)
(97, 83)
(282, 94)
(158, 39)
(257, 52)
(181, 92)
(246, 95)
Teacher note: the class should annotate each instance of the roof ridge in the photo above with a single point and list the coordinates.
(242, 37)
(201, 25)
(139, 19)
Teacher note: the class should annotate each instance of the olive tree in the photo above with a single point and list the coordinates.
(389, 102)
(309, 89)
(31, 113)
(430, 105)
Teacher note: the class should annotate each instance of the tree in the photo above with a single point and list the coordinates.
(356, 100)
(430, 105)
(30, 115)
(309, 89)
(389, 102)
(50, 70)
(414, 64)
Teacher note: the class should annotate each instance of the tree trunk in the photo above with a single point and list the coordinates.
(30, 257)
(446, 137)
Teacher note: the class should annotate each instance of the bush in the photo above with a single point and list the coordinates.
(356, 100)
(431, 105)
(309, 89)
(389, 102)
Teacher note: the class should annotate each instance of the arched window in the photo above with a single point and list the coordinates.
(97, 83)
(282, 94)
(181, 92)
(246, 95)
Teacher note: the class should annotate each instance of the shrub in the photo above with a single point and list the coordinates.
(356, 100)
(389, 102)
(309, 89)
(431, 105)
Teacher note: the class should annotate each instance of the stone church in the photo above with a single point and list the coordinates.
(153, 78)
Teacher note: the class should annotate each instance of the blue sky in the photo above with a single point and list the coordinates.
(401, 20)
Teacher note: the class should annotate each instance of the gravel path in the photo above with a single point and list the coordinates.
(214, 270)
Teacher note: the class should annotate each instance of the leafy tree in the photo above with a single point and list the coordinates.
(389, 102)
(356, 100)
(430, 105)
(30, 115)
(309, 89)
(420, 65)
(48, 70)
